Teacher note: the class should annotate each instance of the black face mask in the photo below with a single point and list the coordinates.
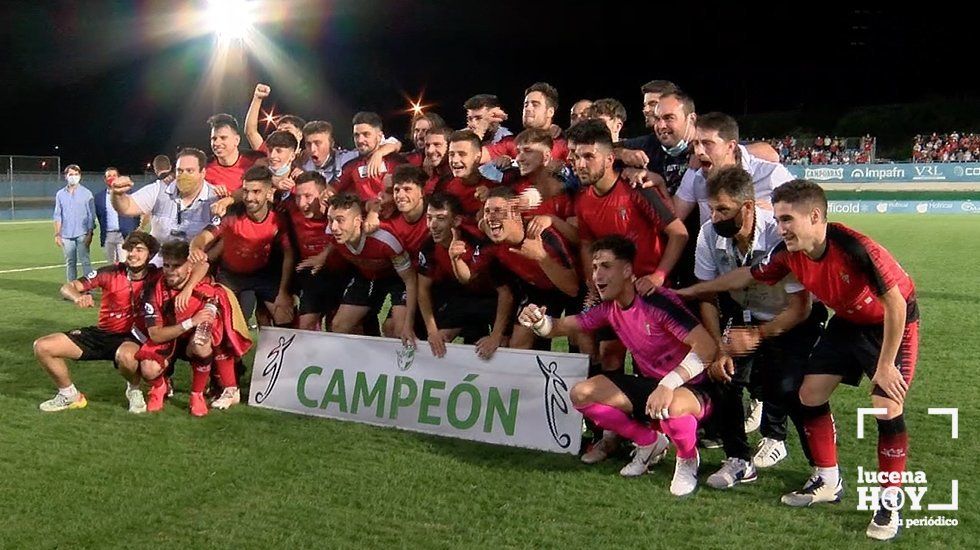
(728, 228)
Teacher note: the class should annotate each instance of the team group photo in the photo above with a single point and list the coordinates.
(412, 274)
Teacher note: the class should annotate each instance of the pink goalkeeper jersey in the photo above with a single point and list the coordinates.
(653, 328)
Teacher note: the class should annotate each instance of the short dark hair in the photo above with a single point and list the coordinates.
(312, 175)
(223, 120)
(468, 136)
(445, 201)
(621, 247)
(143, 238)
(161, 163)
(446, 131)
(202, 159)
(176, 249)
(659, 87)
(281, 138)
(609, 107)
(725, 125)
(733, 181)
(802, 192)
(258, 173)
(406, 173)
(686, 101)
(479, 101)
(346, 201)
(113, 168)
(292, 119)
(369, 118)
(502, 192)
(317, 127)
(549, 92)
(535, 135)
(589, 132)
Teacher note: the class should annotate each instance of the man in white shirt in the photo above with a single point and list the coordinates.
(716, 147)
(178, 210)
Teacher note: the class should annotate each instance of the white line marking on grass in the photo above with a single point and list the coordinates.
(8, 222)
(39, 268)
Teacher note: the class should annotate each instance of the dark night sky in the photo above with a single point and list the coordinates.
(117, 82)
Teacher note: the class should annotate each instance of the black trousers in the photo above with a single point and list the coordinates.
(776, 368)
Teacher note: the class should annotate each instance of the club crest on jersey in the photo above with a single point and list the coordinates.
(845, 277)
(622, 213)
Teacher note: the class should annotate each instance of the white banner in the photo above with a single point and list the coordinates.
(518, 397)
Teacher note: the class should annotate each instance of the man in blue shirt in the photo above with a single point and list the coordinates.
(74, 221)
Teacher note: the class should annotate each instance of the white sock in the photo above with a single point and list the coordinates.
(130, 386)
(829, 475)
(70, 392)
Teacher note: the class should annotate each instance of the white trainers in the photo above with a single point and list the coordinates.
(815, 490)
(754, 418)
(770, 452)
(685, 479)
(229, 396)
(646, 456)
(137, 405)
(732, 472)
(884, 525)
(60, 403)
(602, 448)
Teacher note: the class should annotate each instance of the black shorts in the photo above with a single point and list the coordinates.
(850, 350)
(98, 344)
(264, 283)
(639, 388)
(320, 293)
(360, 291)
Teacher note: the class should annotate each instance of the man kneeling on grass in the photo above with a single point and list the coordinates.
(670, 350)
(113, 339)
(176, 332)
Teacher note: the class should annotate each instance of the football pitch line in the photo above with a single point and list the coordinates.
(37, 268)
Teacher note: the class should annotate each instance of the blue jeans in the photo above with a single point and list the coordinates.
(75, 250)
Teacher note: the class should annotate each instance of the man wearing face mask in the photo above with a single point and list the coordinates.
(74, 222)
(281, 146)
(738, 234)
(178, 210)
(324, 157)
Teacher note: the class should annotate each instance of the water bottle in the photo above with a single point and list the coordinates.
(202, 334)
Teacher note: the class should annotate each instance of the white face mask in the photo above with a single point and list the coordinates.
(73, 179)
(282, 170)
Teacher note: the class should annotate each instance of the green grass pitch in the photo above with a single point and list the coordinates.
(250, 478)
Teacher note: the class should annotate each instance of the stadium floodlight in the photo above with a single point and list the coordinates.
(230, 19)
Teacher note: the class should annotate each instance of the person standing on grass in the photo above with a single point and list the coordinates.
(74, 222)
(874, 332)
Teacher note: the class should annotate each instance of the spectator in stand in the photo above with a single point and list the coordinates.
(952, 147)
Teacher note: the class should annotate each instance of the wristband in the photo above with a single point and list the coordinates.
(543, 327)
(672, 381)
(187, 324)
